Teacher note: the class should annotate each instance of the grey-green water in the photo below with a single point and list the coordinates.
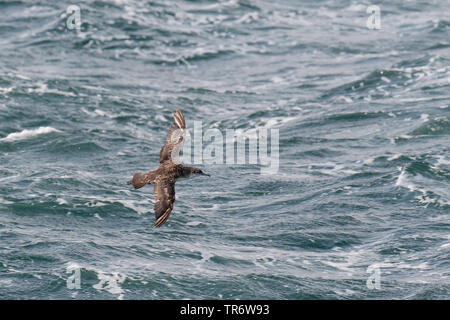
(364, 124)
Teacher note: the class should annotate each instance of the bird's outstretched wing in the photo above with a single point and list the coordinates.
(141, 179)
(174, 138)
(165, 197)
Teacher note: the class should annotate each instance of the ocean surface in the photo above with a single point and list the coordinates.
(359, 207)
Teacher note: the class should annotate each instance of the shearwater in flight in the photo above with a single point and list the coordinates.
(168, 172)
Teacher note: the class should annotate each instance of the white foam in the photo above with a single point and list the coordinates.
(5, 91)
(110, 283)
(403, 182)
(100, 112)
(96, 112)
(98, 216)
(160, 118)
(337, 170)
(424, 117)
(436, 195)
(249, 17)
(346, 292)
(275, 122)
(25, 134)
(61, 201)
(277, 79)
(425, 200)
(346, 99)
(3, 201)
(422, 266)
(6, 283)
(442, 160)
(193, 223)
(44, 89)
(395, 157)
(405, 136)
(19, 76)
(131, 205)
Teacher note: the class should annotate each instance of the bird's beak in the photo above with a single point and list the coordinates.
(205, 174)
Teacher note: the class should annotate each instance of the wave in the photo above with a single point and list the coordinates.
(437, 126)
(108, 281)
(429, 183)
(28, 133)
(197, 55)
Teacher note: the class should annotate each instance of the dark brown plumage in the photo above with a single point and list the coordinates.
(168, 172)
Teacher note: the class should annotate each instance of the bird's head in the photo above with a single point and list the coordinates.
(200, 172)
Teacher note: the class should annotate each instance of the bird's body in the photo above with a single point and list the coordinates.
(169, 170)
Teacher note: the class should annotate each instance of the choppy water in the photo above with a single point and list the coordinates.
(364, 126)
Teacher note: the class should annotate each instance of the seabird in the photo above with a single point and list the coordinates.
(168, 172)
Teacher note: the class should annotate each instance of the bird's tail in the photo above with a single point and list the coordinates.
(141, 179)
